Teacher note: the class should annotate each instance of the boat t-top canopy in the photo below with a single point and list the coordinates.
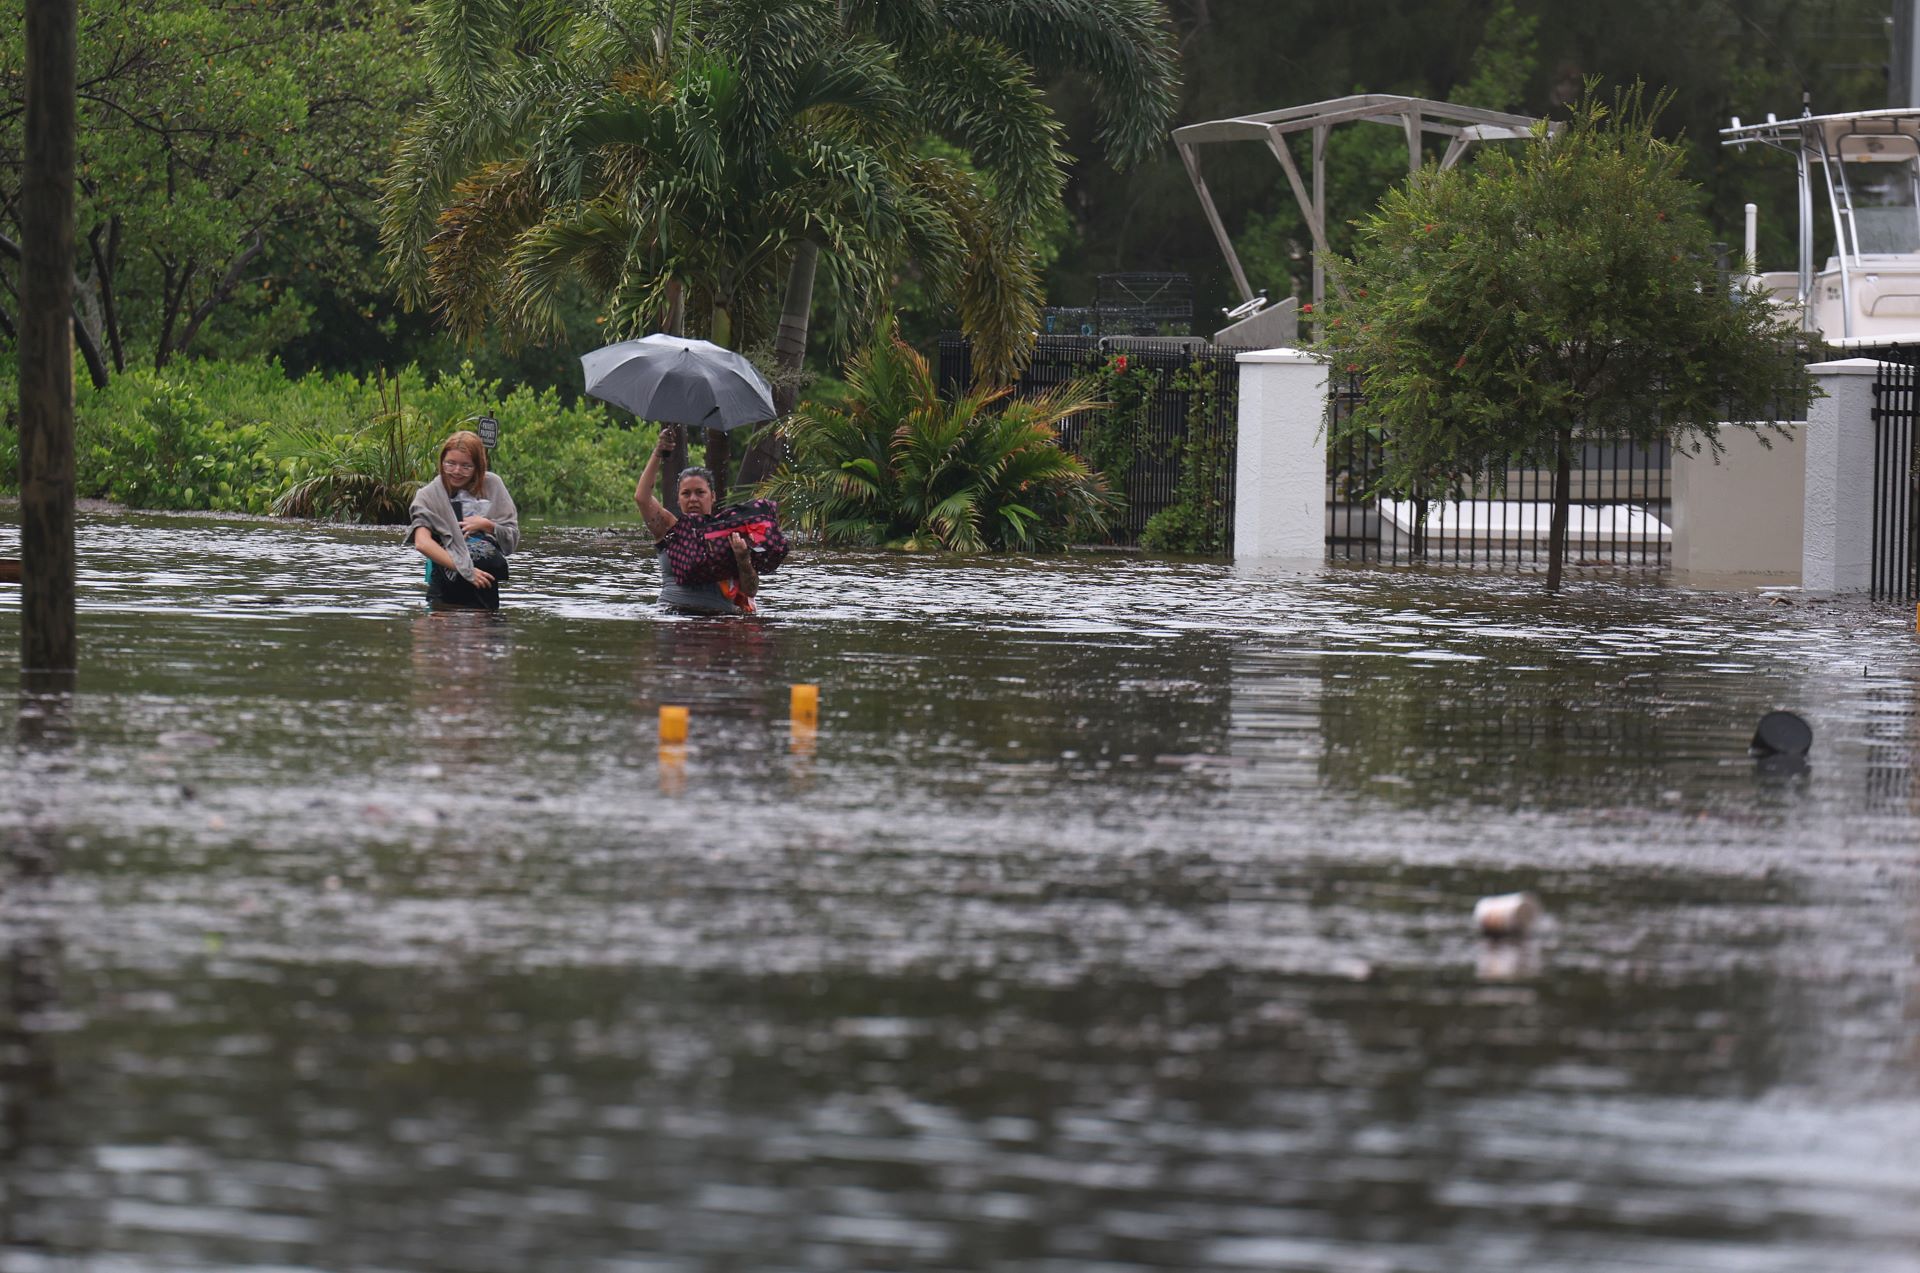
(1869, 162)
(1418, 117)
(1862, 136)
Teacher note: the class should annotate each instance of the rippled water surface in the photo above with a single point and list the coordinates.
(1116, 917)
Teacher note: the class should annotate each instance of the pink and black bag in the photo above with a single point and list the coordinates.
(698, 551)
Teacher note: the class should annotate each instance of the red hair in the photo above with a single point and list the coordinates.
(476, 451)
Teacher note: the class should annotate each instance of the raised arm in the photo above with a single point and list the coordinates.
(655, 514)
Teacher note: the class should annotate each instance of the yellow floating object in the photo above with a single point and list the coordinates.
(673, 724)
(803, 736)
(805, 702)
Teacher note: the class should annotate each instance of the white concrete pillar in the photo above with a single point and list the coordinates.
(1739, 513)
(1838, 537)
(1280, 462)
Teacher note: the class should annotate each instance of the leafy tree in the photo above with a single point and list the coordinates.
(1723, 57)
(226, 155)
(1500, 311)
(894, 465)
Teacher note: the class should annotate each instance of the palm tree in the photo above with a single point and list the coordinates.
(657, 177)
(661, 153)
(643, 177)
(899, 467)
(973, 69)
(663, 174)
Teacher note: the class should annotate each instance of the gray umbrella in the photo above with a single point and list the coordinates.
(679, 381)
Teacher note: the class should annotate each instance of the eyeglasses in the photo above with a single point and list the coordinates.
(457, 466)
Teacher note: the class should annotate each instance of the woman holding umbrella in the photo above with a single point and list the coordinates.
(728, 596)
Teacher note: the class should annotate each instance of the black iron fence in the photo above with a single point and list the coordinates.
(1896, 483)
(1620, 514)
(1621, 491)
(1183, 422)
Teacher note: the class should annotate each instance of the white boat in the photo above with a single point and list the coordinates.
(1501, 523)
(1866, 166)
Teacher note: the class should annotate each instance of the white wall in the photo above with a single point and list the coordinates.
(1280, 467)
(1742, 514)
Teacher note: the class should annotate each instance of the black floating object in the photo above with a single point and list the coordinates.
(1781, 734)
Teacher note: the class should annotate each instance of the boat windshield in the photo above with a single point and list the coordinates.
(1880, 178)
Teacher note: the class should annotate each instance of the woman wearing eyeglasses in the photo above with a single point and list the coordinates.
(464, 523)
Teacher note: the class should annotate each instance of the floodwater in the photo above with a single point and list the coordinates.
(1116, 917)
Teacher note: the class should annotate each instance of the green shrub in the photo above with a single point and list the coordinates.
(557, 460)
(157, 443)
(237, 436)
(1196, 520)
(367, 474)
(1111, 441)
(897, 466)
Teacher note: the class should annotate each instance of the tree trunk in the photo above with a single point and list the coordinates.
(719, 445)
(670, 471)
(1562, 501)
(48, 649)
(221, 291)
(172, 299)
(104, 264)
(89, 352)
(790, 354)
(720, 460)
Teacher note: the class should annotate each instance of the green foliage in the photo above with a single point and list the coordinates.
(898, 467)
(237, 437)
(1196, 520)
(1505, 63)
(1744, 58)
(1110, 442)
(153, 441)
(1571, 284)
(365, 474)
(224, 170)
(650, 155)
(558, 461)
(649, 174)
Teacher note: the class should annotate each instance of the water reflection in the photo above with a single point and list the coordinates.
(1115, 915)
(32, 1091)
(463, 691)
(40, 1178)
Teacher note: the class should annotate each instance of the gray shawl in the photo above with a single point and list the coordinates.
(433, 508)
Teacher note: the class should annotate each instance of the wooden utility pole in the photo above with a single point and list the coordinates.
(48, 650)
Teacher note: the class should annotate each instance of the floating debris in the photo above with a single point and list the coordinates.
(187, 740)
(1781, 734)
(1507, 914)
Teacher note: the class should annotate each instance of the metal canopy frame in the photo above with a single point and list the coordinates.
(1418, 117)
